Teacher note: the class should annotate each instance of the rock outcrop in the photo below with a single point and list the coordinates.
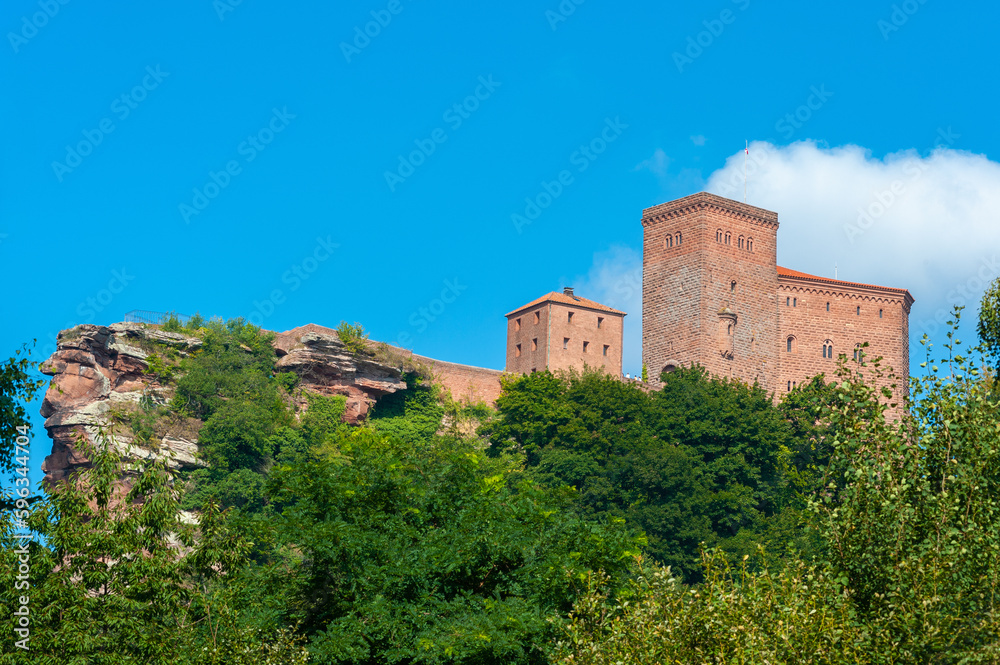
(98, 368)
(93, 368)
(325, 366)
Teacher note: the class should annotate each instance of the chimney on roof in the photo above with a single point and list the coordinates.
(568, 290)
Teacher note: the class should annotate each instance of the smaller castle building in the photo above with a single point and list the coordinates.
(562, 330)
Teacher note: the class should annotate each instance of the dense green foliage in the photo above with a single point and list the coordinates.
(587, 522)
(910, 571)
(17, 387)
(989, 324)
(701, 461)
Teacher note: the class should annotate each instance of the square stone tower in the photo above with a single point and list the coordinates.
(709, 288)
(562, 330)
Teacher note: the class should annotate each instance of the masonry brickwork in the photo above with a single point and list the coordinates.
(560, 331)
(713, 294)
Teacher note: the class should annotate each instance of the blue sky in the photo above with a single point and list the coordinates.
(232, 159)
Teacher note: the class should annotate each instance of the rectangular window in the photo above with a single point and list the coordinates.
(517, 351)
(538, 316)
(569, 318)
(606, 347)
(534, 344)
(534, 369)
(585, 345)
(600, 320)
(565, 342)
(517, 324)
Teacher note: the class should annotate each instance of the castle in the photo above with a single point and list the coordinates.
(713, 294)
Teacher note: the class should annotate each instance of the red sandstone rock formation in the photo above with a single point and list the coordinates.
(96, 367)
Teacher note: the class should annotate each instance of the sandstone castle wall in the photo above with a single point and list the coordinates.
(713, 294)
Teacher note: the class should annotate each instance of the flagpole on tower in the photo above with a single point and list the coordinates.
(745, 155)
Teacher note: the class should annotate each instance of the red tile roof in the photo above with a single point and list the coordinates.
(786, 272)
(576, 301)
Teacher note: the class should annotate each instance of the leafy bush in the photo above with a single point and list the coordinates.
(172, 323)
(413, 414)
(353, 337)
(287, 380)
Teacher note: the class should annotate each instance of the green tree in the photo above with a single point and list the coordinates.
(703, 460)
(989, 324)
(428, 552)
(108, 582)
(17, 388)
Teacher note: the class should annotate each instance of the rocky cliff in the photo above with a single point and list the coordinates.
(101, 371)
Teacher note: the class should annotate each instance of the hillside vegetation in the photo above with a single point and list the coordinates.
(586, 521)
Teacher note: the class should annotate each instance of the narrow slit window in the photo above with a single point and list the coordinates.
(517, 351)
(565, 343)
(569, 318)
(585, 346)
(600, 320)
(880, 314)
(788, 345)
(517, 324)
(795, 302)
(606, 347)
(538, 316)
(859, 310)
(828, 307)
(534, 344)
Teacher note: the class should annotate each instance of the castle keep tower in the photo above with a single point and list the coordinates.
(709, 288)
(563, 330)
(713, 294)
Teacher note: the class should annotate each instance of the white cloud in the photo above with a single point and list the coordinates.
(657, 164)
(924, 223)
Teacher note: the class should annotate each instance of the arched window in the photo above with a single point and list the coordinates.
(729, 237)
(668, 242)
(859, 310)
(669, 367)
(790, 344)
(729, 329)
(742, 241)
(718, 235)
(858, 353)
(880, 314)
(732, 286)
(789, 386)
(749, 244)
(677, 239)
(828, 349)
